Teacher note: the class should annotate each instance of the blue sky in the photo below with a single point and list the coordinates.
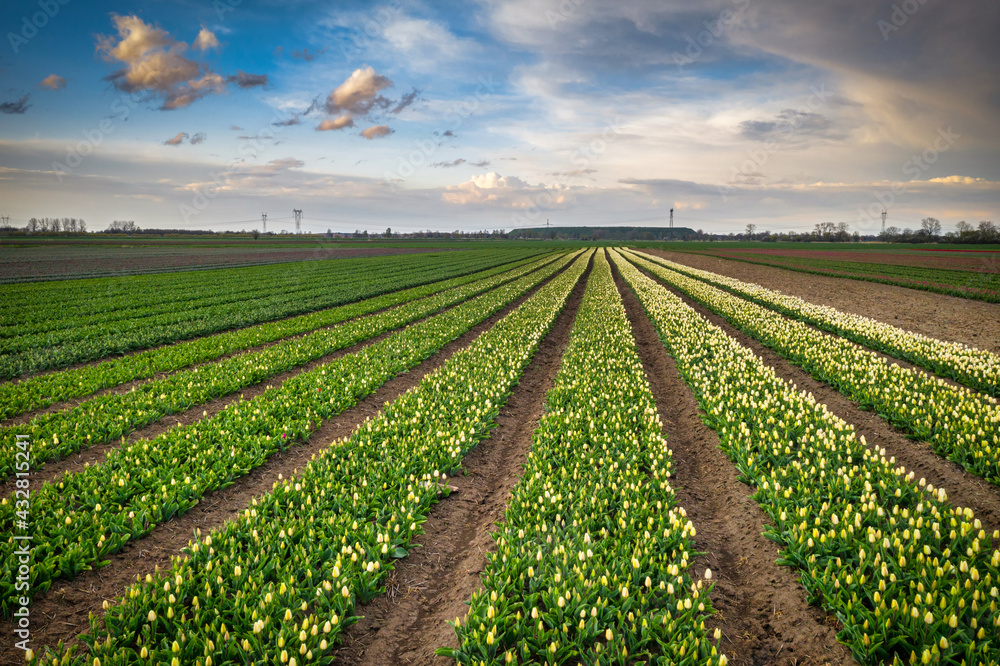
(500, 113)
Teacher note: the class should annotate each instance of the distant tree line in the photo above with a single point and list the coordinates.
(43, 225)
(122, 227)
(930, 232)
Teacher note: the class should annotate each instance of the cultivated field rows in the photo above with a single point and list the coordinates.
(110, 416)
(306, 287)
(604, 538)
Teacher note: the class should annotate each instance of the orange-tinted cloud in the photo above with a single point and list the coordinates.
(53, 82)
(154, 62)
(376, 131)
(359, 94)
(336, 123)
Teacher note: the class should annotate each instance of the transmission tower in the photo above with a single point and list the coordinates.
(6, 219)
(298, 220)
(671, 218)
(884, 214)
(263, 217)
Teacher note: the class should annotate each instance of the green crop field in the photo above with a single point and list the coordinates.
(568, 453)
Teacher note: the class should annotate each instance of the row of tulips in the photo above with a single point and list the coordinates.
(280, 583)
(912, 578)
(976, 368)
(109, 417)
(961, 424)
(43, 390)
(335, 285)
(592, 561)
(80, 518)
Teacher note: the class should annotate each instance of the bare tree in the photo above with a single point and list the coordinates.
(930, 226)
(750, 229)
(988, 231)
(963, 228)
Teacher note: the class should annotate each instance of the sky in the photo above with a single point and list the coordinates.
(500, 114)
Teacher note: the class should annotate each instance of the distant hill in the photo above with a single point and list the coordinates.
(606, 233)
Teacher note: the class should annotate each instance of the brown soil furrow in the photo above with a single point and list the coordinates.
(975, 323)
(964, 489)
(433, 583)
(61, 613)
(761, 607)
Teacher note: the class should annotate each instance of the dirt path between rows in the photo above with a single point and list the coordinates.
(61, 613)
(964, 489)
(432, 585)
(762, 608)
(975, 323)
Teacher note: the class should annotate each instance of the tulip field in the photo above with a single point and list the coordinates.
(597, 551)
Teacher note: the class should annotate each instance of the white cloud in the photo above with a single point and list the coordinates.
(427, 45)
(493, 190)
(206, 40)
